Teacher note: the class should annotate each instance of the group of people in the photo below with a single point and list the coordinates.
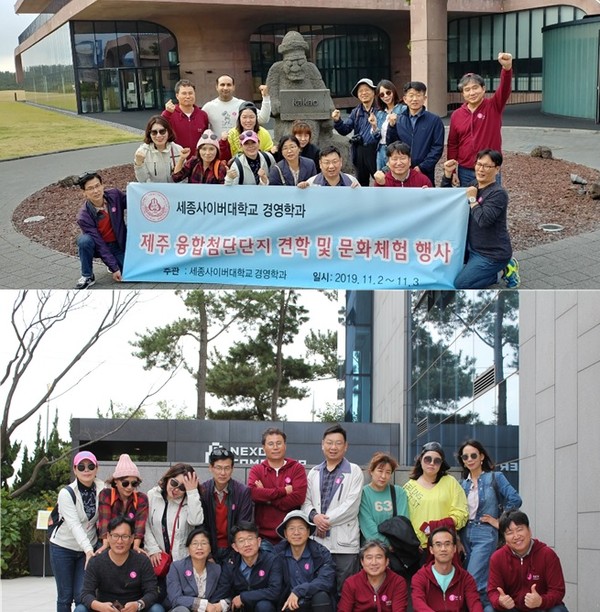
(395, 142)
(288, 540)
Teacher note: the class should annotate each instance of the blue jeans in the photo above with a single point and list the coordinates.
(87, 252)
(381, 156)
(479, 272)
(152, 608)
(480, 541)
(67, 566)
(466, 176)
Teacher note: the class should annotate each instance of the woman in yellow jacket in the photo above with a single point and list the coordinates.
(434, 497)
(248, 120)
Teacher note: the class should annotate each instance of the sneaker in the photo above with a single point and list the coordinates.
(511, 274)
(85, 282)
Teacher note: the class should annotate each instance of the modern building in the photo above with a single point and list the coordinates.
(103, 56)
(407, 365)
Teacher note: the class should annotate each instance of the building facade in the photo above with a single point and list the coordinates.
(100, 56)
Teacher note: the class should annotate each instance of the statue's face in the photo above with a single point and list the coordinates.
(293, 65)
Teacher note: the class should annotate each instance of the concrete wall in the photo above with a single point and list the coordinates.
(560, 431)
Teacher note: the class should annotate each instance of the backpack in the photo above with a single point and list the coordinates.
(238, 164)
(55, 520)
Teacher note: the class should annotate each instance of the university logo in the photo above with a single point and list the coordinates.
(155, 206)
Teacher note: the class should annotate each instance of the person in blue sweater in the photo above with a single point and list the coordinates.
(422, 130)
(308, 567)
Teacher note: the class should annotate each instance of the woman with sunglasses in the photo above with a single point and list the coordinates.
(123, 499)
(248, 121)
(174, 510)
(74, 537)
(435, 498)
(156, 158)
(388, 106)
(192, 581)
(487, 491)
(205, 167)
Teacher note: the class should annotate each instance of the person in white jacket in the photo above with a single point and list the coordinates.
(73, 538)
(333, 501)
(177, 496)
(156, 158)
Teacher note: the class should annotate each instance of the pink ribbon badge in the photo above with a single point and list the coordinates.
(188, 572)
(131, 515)
(233, 506)
(114, 209)
(338, 480)
(307, 566)
(133, 574)
(384, 598)
(261, 573)
(288, 480)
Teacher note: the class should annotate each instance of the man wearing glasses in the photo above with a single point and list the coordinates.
(277, 485)
(118, 579)
(442, 584)
(333, 501)
(252, 578)
(104, 233)
(226, 502)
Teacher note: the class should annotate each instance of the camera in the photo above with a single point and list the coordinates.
(357, 140)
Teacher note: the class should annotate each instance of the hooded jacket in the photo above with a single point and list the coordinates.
(460, 596)
(359, 596)
(271, 502)
(515, 576)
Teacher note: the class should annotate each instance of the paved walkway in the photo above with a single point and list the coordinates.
(29, 594)
(568, 263)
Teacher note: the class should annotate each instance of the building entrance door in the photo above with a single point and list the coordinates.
(130, 98)
(149, 87)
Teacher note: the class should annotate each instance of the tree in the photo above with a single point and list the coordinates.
(493, 316)
(121, 412)
(322, 349)
(33, 317)
(255, 373)
(332, 413)
(211, 314)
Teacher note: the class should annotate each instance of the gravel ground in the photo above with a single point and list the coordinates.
(540, 191)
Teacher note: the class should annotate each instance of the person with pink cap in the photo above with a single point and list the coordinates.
(205, 166)
(74, 538)
(122, 499)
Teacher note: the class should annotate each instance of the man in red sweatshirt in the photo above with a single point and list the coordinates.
(477, 124)
(441, 585)
(525, 574)
(187, 120)
(277, 485)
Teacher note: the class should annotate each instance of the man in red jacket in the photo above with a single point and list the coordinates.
(187, 120)
(477, 124)
(442, 586)
(277, 485)
(525, 574)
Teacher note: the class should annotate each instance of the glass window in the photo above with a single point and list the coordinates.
(510, 43)
(524, 35)
(486, 37)
(149, 46)
(537, 23)
(453, 41)
(474, 54)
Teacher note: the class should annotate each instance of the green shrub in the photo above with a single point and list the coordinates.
(18, 518)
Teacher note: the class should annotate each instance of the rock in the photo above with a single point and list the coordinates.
(541, 151)
(69, 181)
(594, 191)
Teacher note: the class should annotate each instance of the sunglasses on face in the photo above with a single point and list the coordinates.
(383, 94)
(161, 132)
(430, 459)
(177, 485)
(82, 467)
(465, 457)
(130, 483)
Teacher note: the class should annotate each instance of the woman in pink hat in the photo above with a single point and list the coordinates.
(204, 167)
(73, 538)
(123, 499)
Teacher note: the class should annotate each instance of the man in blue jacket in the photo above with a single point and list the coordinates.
(225, 501)
(422, 130)
(308, 567)
(102, 222)
(252, 578)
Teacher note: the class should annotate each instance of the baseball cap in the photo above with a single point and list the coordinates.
(248, 135)
(79, 457)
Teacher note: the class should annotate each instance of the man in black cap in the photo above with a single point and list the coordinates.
(364, 140)
(226, 502)
(308, 567)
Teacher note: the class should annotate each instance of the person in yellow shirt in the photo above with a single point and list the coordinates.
(435, 498)
(248, 120)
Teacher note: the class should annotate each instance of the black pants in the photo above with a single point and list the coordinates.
(364, 158)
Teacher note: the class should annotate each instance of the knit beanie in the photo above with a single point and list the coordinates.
(126, 467)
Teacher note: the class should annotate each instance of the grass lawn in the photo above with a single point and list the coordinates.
(28, 130)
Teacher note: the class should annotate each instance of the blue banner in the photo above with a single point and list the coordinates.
(319, 237)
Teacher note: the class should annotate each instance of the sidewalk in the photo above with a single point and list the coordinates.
(28, 594)
(569, 263)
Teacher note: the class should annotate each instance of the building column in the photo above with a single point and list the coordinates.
(429, 51)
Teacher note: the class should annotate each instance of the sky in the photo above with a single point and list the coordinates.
(11, 25)
(114, 373)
